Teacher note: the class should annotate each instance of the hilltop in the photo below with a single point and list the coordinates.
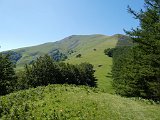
(72, 44)
(64, 102)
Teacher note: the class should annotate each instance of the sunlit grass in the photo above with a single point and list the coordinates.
(80, 44)
(97, 57)
(64, 102)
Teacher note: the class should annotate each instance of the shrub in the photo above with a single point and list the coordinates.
(78, 56)
(45, 71)
(109, 52)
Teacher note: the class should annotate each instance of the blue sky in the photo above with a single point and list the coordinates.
(31, 22)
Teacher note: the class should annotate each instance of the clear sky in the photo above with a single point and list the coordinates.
(31, 22)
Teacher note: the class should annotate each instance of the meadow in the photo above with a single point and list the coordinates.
(102, 63)
(69, 102)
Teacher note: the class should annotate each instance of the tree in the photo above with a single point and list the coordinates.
(78, 56)
(140, 74)
(87, 75)
(109, 51)
(148, 39)
(42, 72)
(45, 71)
(7, 75)
(82, 74)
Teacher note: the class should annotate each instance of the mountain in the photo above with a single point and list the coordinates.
(90, 47)
(65, 47)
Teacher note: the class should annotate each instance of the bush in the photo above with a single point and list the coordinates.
(45, 71)
(78, 56)
(109, 52)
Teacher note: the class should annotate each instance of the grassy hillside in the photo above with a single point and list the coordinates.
(91, 47)
(63, 102)
(75, 43)
(97, 57)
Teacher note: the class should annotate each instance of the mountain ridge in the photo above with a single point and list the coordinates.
(64, 46)
(90, 47)
(57, 41)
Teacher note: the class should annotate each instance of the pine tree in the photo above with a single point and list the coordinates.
(139, 69)
(147, 37)
(7, 75)
(42, 72)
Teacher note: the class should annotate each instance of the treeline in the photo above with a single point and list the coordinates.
(136, 69)
(42, 72)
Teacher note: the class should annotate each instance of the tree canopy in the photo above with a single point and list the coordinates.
(136, 72)
(46, 71)
(7, 75)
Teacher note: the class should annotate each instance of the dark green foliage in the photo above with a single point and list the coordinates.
(7, 75)
(21, 80)
(82, 74)
(87, 73)
(78, 56)
(94, 49)
(57, 55)
(45, 71)
(70, 52)
(123, 71)
(109, 52)
(13, 56)
(136, 71)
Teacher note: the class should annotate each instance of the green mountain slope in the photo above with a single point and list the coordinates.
(63, 102)
(91, 48)
(72, 43)
(93, 52)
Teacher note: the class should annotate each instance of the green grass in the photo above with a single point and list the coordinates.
(97, 58)
(80, 44)
(75, 42)
(64, 102)
(84, 45)
(69, 102)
